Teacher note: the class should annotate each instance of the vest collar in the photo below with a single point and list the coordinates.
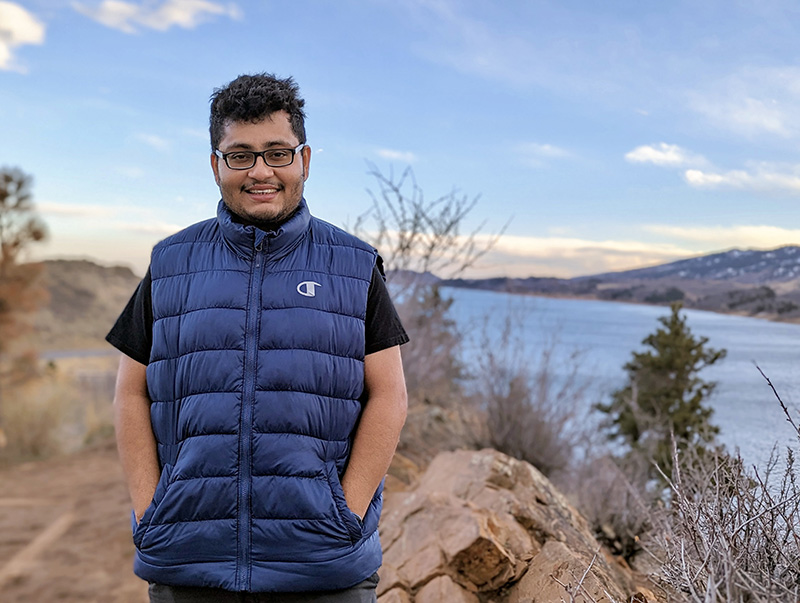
(244, 239)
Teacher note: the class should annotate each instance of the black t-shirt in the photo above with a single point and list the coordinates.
(132, 334)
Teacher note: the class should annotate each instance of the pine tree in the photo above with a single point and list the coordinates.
(664, 396)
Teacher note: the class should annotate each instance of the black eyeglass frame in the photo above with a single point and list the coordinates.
(262, 154)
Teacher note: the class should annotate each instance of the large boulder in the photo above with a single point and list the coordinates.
(482, 526)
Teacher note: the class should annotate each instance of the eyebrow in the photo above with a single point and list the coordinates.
(280, 144)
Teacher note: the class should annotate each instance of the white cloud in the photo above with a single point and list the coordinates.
(723, 237)
(196, 133)
(571, 256)
(530, 49)
(17, 27)
(526, 246)
(109, 217)
(535, 154)
(129, 17)
(757, 176)
(762, 177)
(745, 115)
(153, 140)
(470, 46)
(153, 227)
(754, 101)
(663, 154)
(131, 171)
(563, 256)
(394, 155)
(49, 208)
(544, 150)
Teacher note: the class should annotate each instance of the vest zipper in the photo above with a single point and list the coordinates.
(252, 328)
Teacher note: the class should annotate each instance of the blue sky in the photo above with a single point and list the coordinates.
(608, 135)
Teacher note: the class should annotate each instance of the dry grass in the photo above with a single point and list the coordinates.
(59, 409)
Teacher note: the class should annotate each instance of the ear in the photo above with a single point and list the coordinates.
(215, 167)
(306, 154)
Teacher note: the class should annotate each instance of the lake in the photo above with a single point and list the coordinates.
(605, 333)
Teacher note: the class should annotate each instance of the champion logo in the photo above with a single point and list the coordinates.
(308, 288)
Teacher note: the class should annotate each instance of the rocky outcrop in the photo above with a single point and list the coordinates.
(484, 527)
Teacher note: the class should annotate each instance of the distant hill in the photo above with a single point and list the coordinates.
(751, 282)
(745, 266)
(85, 300)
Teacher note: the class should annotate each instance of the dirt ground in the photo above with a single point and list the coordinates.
(65, 531)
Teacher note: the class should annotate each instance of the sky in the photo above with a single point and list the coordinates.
(596, 136)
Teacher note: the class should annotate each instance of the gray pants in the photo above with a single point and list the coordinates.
(363, 592)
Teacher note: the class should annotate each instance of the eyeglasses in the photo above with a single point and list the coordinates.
(244, 160)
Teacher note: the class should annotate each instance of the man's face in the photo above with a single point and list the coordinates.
(261, 194)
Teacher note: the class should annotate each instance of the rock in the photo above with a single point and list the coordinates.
(396, 595)
(472, 551)
(557, 572)
(485, 523)
(403, 473)
(390, 579)
(444, 590)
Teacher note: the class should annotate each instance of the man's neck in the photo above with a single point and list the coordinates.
(265, 225)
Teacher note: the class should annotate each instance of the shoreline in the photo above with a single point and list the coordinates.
(771, 317)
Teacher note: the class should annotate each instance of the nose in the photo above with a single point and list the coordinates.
(260, 169)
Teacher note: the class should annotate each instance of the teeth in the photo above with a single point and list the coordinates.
(268, 191)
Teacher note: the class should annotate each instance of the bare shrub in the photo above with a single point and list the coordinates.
(732, 534)
(417, 237)
(503, 399)
(532, 408)
(431, 359)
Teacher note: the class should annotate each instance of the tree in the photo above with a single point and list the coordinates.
(19, 228)
(664, 397)
(20, 292)
(19, 224)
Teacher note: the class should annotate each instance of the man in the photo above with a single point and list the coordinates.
(260, 394)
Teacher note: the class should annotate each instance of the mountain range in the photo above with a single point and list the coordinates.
(763, 283)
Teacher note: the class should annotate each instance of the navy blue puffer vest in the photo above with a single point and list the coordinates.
(255, 376)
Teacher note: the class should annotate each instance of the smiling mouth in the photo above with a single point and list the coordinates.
(263, 191)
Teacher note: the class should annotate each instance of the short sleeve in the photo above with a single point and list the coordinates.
(383, 327)
(132, 334)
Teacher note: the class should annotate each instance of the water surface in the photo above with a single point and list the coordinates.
(745, 409)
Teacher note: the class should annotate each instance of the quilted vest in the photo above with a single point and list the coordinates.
(255, 376)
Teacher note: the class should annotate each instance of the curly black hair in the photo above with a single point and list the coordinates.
(252, 98)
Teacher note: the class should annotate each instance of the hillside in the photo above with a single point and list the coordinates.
(748, 266)
(750, 282)
(84, 301)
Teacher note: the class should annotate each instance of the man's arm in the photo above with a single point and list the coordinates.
(379, 429)
(135, 440)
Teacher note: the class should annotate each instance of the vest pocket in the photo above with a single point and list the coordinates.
(348, 519)
(144, 523)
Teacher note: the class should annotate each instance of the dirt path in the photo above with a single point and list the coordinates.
(65, 532)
